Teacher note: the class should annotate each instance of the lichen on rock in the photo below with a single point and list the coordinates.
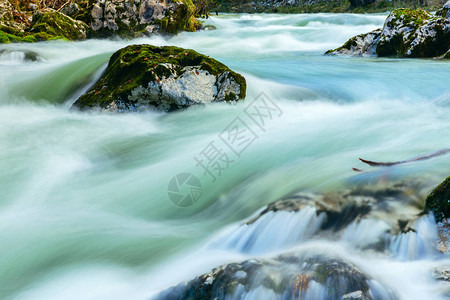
(145, 77)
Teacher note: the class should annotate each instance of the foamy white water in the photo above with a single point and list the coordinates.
(84, 212)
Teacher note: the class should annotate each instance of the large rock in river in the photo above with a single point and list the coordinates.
(302, 275)
(406, 33)
(145, 77)
(439, 201)
(414, 33)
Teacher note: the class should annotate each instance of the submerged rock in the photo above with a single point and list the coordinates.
(355, 295)
(289, 276)
(372, 217)
(442, 273)
(26, 55)
(438, 201)
(343, 208)
(145, 77)
(406, 33)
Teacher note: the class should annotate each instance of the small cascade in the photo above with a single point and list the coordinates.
(418, 243)
(365, 233)
(272, 231)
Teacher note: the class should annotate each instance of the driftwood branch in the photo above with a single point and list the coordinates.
(389, 164)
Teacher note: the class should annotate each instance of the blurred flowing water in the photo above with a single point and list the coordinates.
(84, 210)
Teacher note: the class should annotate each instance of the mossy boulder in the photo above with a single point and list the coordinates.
(438, 201)
(138, 18)
(52, 24)
(406, 33)
(414, 33)
(145, 77)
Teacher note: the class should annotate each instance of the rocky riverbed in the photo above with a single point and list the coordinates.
(280, 206)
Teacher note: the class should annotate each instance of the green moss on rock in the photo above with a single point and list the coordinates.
(438, 201)
(416, 17)
(182, 19)
(135, 68)
(54, 24)
(414, 33)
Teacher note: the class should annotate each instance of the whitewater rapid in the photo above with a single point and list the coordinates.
(84, 210)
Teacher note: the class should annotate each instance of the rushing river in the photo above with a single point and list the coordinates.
(84, 208)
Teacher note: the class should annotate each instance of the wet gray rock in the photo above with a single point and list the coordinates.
(342, 208)
(358, 295)
(442, 273)
(70, 10)
(290, 276)
(360, 45)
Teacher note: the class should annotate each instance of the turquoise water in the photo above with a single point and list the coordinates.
(84, 210)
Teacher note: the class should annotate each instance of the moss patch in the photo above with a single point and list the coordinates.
(438, 201)
(415, 17)
(57, 24)
(181, 19)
